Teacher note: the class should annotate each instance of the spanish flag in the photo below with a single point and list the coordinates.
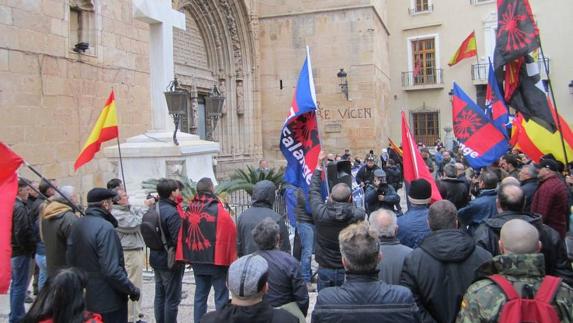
(105, 129)
(394, 147)
(467, 49)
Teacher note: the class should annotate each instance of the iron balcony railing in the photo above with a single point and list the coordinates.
(429, 76)
(480, 72)
(428, 8)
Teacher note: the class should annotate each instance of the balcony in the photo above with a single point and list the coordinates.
(480, 72)
(424, 9)
(428, 79)
(479, 2)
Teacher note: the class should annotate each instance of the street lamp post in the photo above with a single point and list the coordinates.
(214, 108)
(177, 100)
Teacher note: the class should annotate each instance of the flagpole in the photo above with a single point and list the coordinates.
(121, 163)
(555, 106)
(47, 181)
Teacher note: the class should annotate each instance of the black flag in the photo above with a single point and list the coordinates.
(517, 33)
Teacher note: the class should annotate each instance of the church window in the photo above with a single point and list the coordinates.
(82, 26)
(426, 127)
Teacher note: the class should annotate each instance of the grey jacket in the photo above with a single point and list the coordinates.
(128, 220)
(393, 255)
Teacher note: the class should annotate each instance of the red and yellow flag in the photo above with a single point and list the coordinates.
(467, 49)
(105, 129)
(394, 147)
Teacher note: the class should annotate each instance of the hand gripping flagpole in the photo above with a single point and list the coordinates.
(47, 181)
(546, 67)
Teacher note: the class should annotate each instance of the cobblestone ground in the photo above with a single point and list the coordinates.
(186, 307)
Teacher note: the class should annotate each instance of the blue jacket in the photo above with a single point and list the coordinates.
(171, 223)
(478, 210)
(413, 226)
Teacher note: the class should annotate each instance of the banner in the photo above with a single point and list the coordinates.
(481, 142)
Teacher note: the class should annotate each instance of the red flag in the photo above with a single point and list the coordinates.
(9, 163)
(414, 165)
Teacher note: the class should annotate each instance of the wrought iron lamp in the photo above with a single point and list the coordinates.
(451, 94)
(177, 101)
(343, 82)
(213, 110)
(571, 87)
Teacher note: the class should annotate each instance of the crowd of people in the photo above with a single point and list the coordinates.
(498, 235)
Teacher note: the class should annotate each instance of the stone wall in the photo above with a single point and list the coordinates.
(50, 96)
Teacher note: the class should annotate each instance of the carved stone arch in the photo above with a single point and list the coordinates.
(227, 33)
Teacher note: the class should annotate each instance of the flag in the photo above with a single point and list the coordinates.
(497, 110)
(481, 142)
(535, 140)
(517, 33)
(395, 147)
(105, 129)
(9, 164)
(467, 49)
(530, 97)
(413, 163)
(299, 139)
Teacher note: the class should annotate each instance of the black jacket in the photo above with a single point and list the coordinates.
(171, 222)
(94, 247)
(366, 175)
(260, 313)
(329, 219)
(364, 299)
(552, 247)
(285, 280)
(303, 214)
(529, 186)
(439, 272)
(391, 198)
(262, 208)
(393, 176)
(23, 238)
(455, 191)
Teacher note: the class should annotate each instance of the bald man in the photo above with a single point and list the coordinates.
(385, 223)
(329, 219)
(509, 203)
(522, 265)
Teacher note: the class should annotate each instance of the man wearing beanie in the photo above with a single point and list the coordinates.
(414, 223)
(94, 247)
(247, 282)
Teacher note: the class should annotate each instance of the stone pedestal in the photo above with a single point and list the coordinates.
(154, 155)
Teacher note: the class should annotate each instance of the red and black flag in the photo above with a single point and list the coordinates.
(208, 234)
(517, 33)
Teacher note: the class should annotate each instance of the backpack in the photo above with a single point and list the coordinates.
(151, 229)
(539, 309)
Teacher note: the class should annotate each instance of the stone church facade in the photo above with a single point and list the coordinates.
(52, 89)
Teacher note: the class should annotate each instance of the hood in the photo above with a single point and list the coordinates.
(450, 245)
(261, 312)
(499, 220)
(341, 211)
(264, 194)
(54, 209)
(528, 265)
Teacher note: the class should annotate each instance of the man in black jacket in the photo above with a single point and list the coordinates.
(510, 201)
(453, 189)
(365, 175)
(168, 281)
(94, 247)
(262, 207)
(329, 219)
(23, 248)
(363, 297)
(380, 195)
(441, 269)
(529, 184)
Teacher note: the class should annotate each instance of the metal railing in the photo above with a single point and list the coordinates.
(480, 72)
(477, 2)
(426, 77)
(414, 11)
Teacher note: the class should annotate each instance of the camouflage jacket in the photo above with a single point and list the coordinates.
(484, 299)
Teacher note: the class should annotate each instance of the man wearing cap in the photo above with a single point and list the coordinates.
(551, 198)
(414, 223)
(94, 247)
(380, 194)
(365, 174)
(247, 282)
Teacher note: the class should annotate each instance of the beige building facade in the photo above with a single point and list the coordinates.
(430, 31)
(52, 87)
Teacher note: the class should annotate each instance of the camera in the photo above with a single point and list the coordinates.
(150, 196)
